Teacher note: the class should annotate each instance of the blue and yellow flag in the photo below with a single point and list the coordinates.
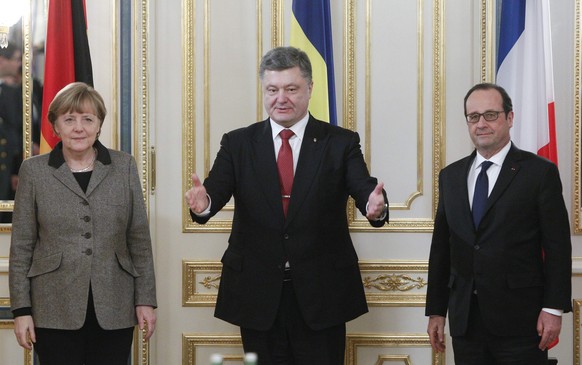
(311, 32)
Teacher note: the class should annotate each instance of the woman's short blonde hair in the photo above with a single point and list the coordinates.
(76, 97)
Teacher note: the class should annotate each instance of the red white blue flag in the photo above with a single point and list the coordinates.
(524, 69)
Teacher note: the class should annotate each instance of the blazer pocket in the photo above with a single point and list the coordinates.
(127, 265)
(233, 260)
(45, 264)
(524, 280)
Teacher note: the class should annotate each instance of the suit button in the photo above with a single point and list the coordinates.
(87, 235)
(477, 247)
(286, 236)
(86, 218)
(88, 252)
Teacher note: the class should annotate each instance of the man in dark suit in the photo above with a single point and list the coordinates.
(503, 275)
(290, 276)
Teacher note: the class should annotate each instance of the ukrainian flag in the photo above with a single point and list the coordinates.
(311, 32)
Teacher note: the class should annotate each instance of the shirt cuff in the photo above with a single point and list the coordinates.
(383, 216)
(556, 312)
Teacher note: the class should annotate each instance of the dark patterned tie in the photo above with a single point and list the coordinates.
(481, 193)
(285, 167)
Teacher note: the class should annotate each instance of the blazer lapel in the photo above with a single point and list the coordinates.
(99, 172)
(509, 170)
(312, 147)
(65, 176)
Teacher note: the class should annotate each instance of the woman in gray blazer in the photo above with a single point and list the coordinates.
(81, 265)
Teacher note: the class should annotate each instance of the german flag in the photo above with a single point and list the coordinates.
(67, 57)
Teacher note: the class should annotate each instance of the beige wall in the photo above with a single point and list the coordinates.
(402, 69)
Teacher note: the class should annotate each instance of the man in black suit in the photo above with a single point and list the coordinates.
(290, 280)
(504, 275)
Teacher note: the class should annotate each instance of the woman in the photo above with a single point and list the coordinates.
(81, 264)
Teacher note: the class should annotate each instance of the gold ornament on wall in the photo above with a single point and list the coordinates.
(394, 282)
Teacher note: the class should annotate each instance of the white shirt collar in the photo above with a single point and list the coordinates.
(297, 128)
(497, 158)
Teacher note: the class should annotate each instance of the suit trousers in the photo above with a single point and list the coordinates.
(90, 345)
(480, 347)
(291, 342)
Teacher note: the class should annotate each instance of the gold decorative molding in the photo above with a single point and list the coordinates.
(395, 283)
(200, 282)
(192, 343)
(188, 102)
(403, 359)
(277, 24)
(141, 143)
(488, 53)
(577, 204)
(400, 341)
(386, 283)
(27, 81)
(577, 303)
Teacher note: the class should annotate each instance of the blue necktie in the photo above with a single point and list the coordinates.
(481, 193)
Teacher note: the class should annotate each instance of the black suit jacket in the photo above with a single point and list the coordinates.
(314, 238)
(502, 258)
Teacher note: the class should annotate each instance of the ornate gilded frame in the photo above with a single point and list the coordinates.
(576, 309)
(400, 341)
(438, 121)
(386, 283)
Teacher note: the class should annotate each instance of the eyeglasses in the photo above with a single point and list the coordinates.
(489, 116)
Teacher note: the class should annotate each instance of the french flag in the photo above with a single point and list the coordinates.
(524, 69)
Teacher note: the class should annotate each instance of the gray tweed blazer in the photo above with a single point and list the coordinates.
(65, 241)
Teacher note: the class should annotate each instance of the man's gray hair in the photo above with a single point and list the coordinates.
(283, 58)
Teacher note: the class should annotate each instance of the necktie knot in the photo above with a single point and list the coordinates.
(285, 134)
(485, 165)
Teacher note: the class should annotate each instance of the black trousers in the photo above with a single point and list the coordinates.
(480, 347)
(90, 345)
(291, 342)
